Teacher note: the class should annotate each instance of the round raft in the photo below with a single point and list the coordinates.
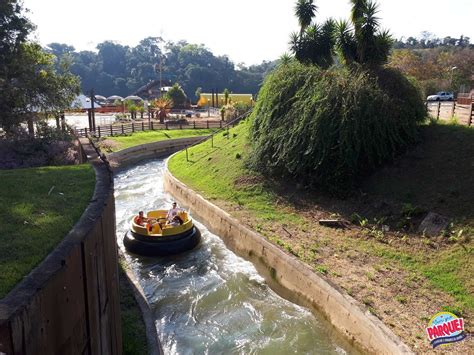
(157, 237)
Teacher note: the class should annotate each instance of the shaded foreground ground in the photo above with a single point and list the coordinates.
(402, 277)
(38, 208)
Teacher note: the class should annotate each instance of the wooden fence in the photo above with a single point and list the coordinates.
(128, 128)
(448, 110)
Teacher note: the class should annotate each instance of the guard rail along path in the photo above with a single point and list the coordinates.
(462, 110)
(69, 304)
(165, 148)
(129, 128)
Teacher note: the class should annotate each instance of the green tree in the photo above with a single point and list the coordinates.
(365, 44)
(30, 81)
(177, 95)
(226, 96)
(315, 44)
(305, 10)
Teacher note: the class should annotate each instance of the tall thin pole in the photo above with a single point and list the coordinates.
(92, 110)
(161, 79)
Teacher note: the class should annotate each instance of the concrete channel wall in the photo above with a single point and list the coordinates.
(151, 150)
(69, 304)
(364, 330)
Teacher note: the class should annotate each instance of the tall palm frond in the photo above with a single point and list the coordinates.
(285, 59)
(370, 22)
(357, 13)
(383, 44)
(346, 46)
(295, 43)
(315, 45)
(327, 42)
(305, 10)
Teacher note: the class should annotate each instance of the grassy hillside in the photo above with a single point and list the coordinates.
(39, 207)
(402, 277)
(116, 143)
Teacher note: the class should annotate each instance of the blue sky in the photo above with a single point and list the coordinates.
(247, 31)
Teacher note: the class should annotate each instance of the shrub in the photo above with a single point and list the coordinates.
(330, 127)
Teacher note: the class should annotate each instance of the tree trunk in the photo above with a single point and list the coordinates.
(31, 127)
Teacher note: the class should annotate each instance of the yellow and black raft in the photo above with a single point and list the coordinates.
(158, 237)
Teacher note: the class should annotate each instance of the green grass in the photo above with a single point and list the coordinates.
(449, 270)
(134, 340)
(438, 175)
(138, 138)
(33, 222)
(219, 173)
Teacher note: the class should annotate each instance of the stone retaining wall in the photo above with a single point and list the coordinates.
(360, 327)
(69, 304)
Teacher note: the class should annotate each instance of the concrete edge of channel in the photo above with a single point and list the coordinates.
(347, 315)
(153, 342)
(124, 157)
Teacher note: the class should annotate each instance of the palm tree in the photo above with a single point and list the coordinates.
(162, 106)
(315, 44)
(305, 10)
(285, 59)
(346, 46)
(364, 43)
(226, 96)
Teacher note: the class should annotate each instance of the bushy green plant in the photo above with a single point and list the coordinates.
(330, 127)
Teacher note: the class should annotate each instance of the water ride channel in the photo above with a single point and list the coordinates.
(209, 300)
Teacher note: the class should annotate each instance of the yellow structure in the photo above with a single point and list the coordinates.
(206, 99)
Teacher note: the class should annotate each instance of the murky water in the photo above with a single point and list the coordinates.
(210, 301)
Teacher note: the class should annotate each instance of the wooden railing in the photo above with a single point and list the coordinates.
(129, 128)
(447, 110)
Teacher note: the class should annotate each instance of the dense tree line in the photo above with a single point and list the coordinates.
(435, 69)
(429, 40)
(119, 69)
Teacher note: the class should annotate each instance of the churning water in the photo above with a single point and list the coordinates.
(209, 300)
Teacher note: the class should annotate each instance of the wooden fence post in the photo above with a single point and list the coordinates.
(439, 109)
(152, 126)
(86, 131)
(220, 124)
(194, 124)
(122, 129)
(143, 126)
(207, 124)
(98, 127)
(111, 131)
(133, 127)
(453, 109)
(166, 126)
(470, 115)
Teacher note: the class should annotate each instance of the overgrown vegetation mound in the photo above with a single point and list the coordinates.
(330, 127)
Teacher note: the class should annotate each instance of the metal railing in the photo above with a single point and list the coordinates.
(229, 124)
